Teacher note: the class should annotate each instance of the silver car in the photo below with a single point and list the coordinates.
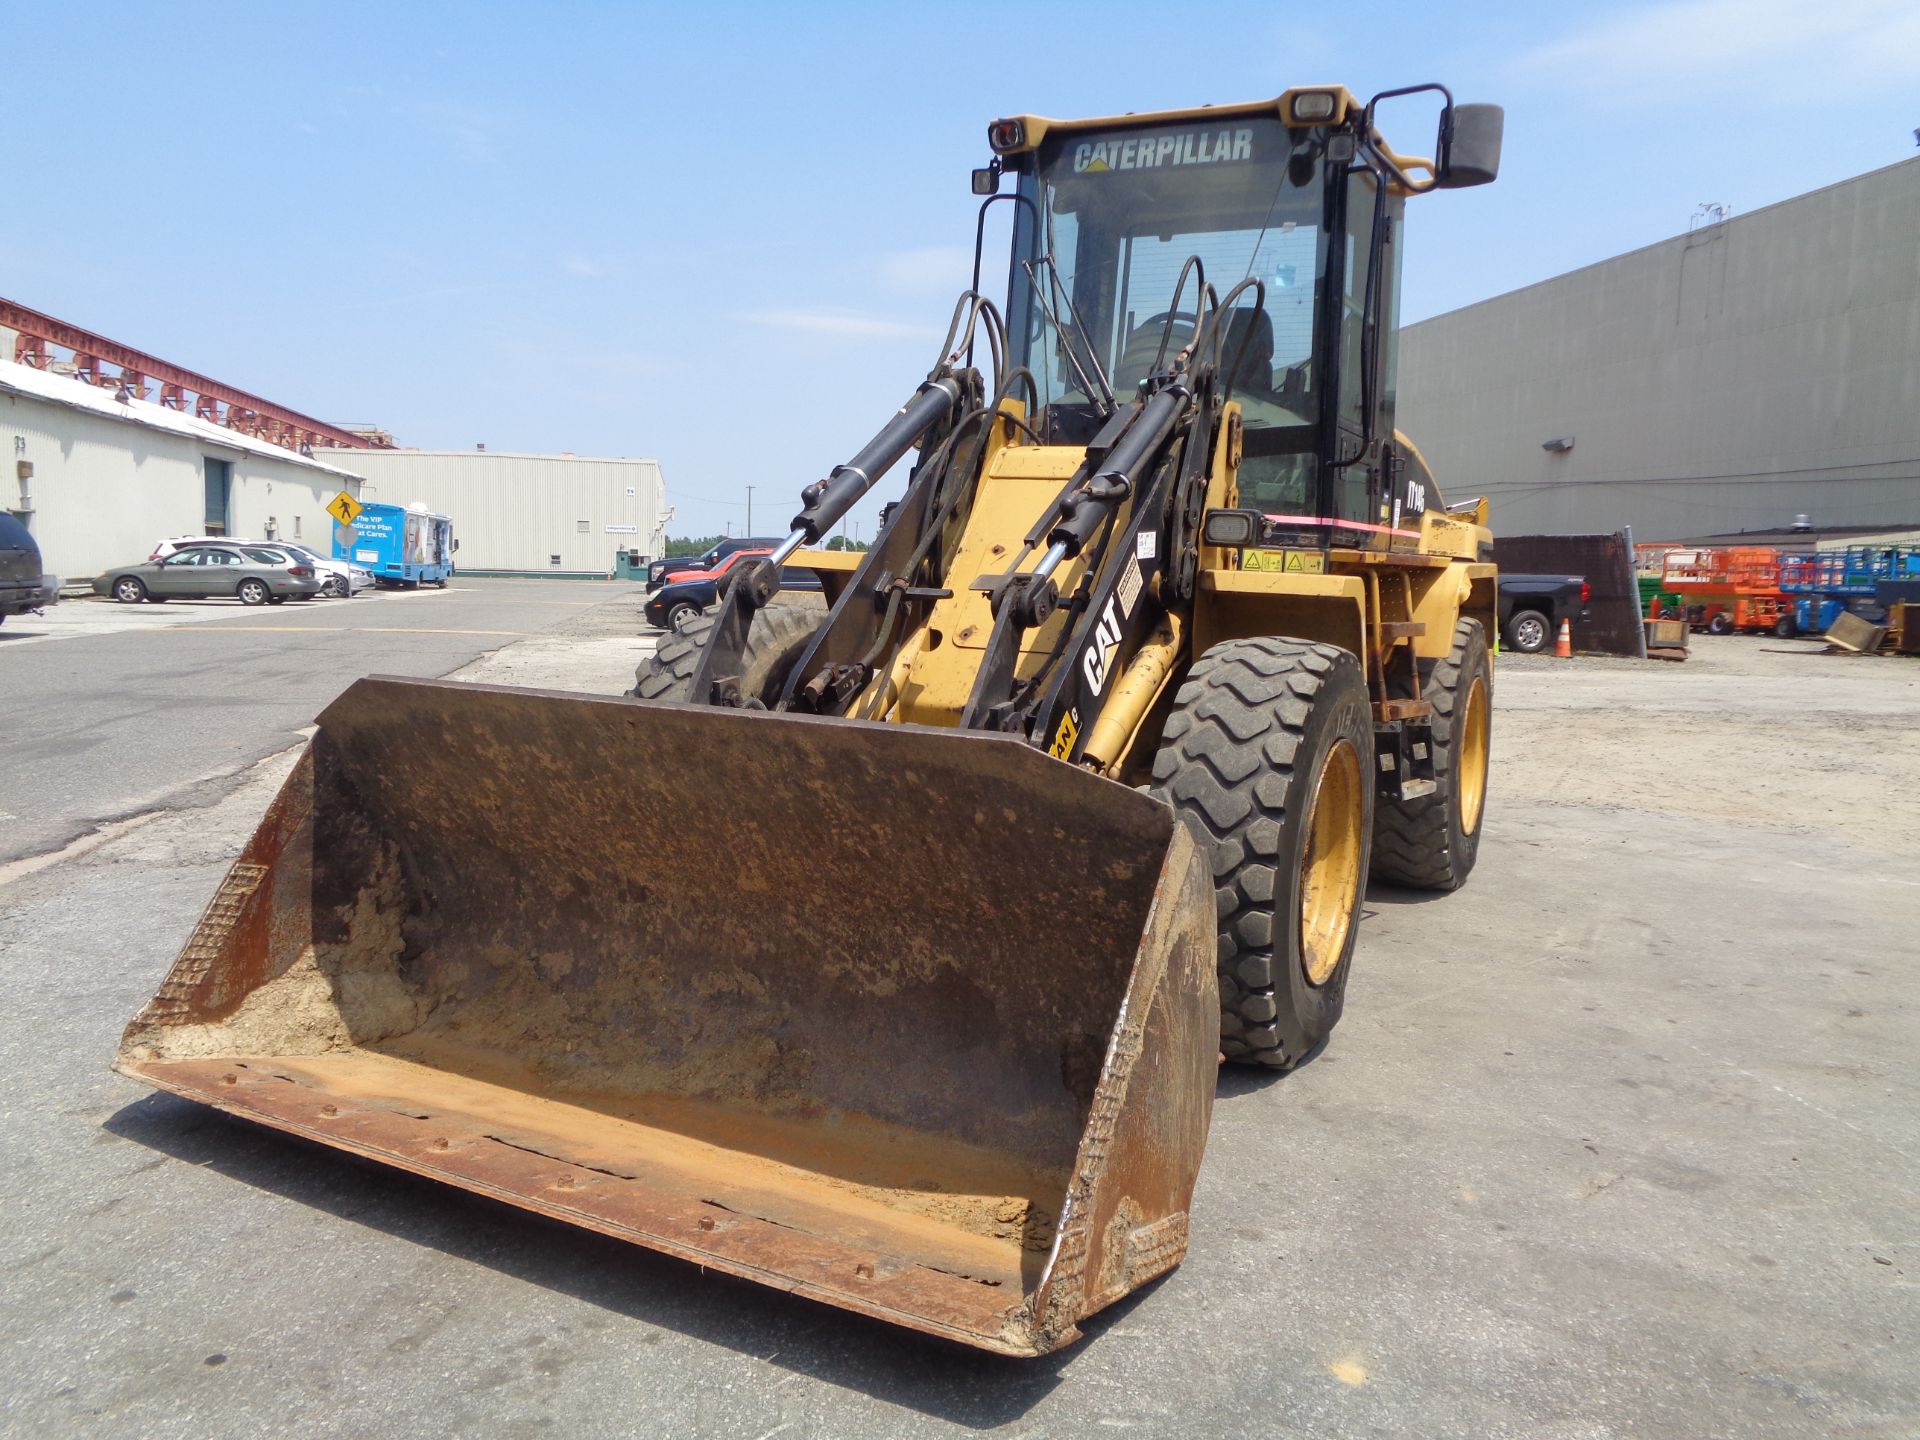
(254, 574)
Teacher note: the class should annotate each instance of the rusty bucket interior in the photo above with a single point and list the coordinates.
(915, 1022)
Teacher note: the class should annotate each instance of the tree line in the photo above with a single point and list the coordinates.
(699, 545)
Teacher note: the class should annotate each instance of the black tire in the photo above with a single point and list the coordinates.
(778, 635)
(683, 614)
(1431, 843)
(1252, 737)
(1720, 624)
(333, 587)
(253, 592)
(129, 590)
(1529, 632)
(1787, 628)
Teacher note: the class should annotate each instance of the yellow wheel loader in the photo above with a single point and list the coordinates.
(885, 953)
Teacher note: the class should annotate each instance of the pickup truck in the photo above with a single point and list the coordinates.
(694, 593)
(660, 572)
(1532, 607)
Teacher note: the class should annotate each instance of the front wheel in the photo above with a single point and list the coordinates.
(779, 634)
(1528, 632)
(128, 590)
(1268, 757)
(253, 592)
(681, 616)
(1786, 627)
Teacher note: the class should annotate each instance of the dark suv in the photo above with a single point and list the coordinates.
(682, 567)
(23, 586)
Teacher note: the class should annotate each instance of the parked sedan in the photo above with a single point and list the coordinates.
(679, 601)
(253, 574)
(337, 577)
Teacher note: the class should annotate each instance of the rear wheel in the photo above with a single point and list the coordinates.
(253, 592)
(1720, 624)
(779, 634)
(1268, 757)
(1431, 843)
(1786, 627)
(128, 590)
(1528, 632)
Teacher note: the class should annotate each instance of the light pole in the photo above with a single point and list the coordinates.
(749, 509)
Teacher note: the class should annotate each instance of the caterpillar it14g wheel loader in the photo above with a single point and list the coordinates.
(886, 953)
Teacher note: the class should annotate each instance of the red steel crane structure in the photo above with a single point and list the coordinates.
(36, 336)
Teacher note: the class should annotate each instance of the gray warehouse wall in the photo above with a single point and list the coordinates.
(1724, 380)
(520, 512)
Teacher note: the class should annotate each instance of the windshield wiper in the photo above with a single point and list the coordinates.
(1106, 401)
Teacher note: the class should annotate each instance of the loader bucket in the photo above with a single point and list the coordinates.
(915, 1022)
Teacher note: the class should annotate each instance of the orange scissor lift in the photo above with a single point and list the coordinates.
(1728, 587)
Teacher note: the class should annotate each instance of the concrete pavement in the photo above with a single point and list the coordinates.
(112, 711)
(1621, 1140)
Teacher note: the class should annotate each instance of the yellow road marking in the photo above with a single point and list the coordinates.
(423, 630)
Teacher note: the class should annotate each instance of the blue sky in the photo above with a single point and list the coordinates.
(728, 236)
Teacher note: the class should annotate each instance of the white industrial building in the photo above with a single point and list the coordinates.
(526, 514)
(99, 479)
(1752, 371)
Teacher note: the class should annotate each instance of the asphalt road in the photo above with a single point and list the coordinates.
(1621, 1140)
(110, 711)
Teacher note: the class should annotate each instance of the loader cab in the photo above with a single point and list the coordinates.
(1108, 216)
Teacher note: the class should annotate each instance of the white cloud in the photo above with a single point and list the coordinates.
(1700, 45)
(944, 268)
(581, 267)
(470, 133)
(841, 324)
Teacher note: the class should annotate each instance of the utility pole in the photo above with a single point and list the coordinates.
(749, 509)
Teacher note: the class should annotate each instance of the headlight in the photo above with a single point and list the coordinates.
(1231, 527)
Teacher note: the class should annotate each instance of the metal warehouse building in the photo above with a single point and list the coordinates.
(525, 514)
(1753, 370)
(99, 479)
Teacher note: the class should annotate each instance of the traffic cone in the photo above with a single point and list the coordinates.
(1563, 646)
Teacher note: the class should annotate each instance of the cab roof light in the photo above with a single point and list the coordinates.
(1312, 107)
(1006, 135)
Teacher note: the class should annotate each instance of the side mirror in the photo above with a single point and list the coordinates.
(987, 181)
(1470, 155)
(456, 544)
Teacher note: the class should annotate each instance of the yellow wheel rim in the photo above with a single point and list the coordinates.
(1472, 758)
(1330, 868)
